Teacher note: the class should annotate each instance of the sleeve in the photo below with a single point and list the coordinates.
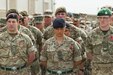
(30, 46)
(77, 52)
(43, 56)
(83, 35)
(39, 37)
(88, 45)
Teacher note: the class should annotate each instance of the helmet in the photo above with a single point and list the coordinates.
(104, 11)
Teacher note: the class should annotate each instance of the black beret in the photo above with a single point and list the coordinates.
(59, 23)
(12, 16)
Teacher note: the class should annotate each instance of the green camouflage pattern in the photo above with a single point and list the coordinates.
(20, 72)
(38, 37)
(23, 30)
(75, 33)
(2, 22)
(101, 45)
(60, 57)
(14, 51)
(102, 69)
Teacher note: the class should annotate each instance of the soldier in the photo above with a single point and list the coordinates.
(75, 33)
(100, 45)
(16, 49)
(2, 24)
(48, 18)
(76, 22)
(88, 26)
(39, 22)
(60, 54)
(38, 41)
(20, 27)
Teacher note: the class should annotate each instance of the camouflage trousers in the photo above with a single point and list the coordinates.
(102, 69)
(24, 71)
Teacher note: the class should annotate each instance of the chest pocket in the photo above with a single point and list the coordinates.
(67, 54)
(51, 53)
(59, 54)
(110, 44)
(97, 46)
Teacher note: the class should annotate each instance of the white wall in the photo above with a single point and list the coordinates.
(39, 6)
(3, 4)
(22, 5)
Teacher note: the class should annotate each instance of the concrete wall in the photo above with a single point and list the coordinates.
(31, 6)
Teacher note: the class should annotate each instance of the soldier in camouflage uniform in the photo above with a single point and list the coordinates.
(16, 49)
(2, 24)
(48, 18)
(75, 33)
(39, 22)
(38, 41)
(100, 45)
(60, 54)
(20, 27)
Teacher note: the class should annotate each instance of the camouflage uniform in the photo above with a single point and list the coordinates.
(23, 30)
(2, 24)
(38, 37)
(14, 53)
(75, 33)
(48, 17)
(39, 22)
(38, 42)
(60, 57)
(101, 46)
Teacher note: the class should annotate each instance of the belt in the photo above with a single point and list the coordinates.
(66, 71)
(12, 68)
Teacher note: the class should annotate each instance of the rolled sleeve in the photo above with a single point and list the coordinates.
(43, 56)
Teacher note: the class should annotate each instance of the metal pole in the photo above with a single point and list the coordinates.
(28, 6)
(52, 5)
(43, 6)
(6, 5)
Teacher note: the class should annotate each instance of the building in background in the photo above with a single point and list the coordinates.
(31, 6)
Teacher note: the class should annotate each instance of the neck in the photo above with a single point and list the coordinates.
(59, 39)
(12, 32)
(105, 28)
(26, 24)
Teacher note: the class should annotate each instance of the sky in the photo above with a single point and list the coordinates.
(83, 6)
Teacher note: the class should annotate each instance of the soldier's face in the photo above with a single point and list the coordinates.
(61, 15)
(47, 20)
(12, 25)
(26, 20)
(104, 21)
(39, 25)
(67, 32)
(59, 32)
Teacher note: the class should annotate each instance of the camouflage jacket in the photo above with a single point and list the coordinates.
(101, 45)
(23, 30)
(14, 50)
(60, 56)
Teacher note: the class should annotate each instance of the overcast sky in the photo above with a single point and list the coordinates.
(83, 6)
